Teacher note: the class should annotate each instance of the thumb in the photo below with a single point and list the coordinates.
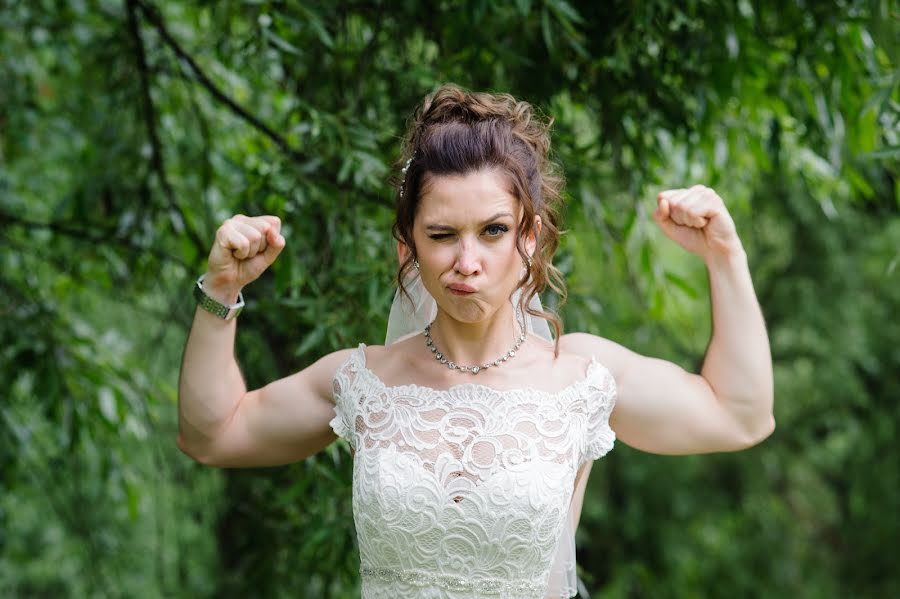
(275, 243)
(662, 217)
(661, 214)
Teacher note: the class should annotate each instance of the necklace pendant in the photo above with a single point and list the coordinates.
(476, 370)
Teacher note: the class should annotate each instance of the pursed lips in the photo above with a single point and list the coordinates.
(460, 289)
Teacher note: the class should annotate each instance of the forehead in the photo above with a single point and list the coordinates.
(462, 198)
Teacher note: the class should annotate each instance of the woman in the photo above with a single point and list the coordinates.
(473, 428)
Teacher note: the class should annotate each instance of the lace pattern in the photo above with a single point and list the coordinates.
(465, 492)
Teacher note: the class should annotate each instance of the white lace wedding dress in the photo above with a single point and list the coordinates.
(465, 492)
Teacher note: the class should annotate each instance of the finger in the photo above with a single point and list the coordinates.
(256, 237)
(694, 209)
(681, 207)
(708, 203)
(274, 222)
(265, 224)
(272, 236)
(276, 244)
(662, 209)
(663, 218)
(229, 238)
(260, 223)
(674, 192)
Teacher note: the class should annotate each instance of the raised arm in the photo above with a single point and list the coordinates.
(662, 408)
(220, 422)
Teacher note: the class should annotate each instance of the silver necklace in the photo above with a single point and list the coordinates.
(440, 357)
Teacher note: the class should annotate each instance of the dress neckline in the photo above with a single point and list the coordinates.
(594, 367)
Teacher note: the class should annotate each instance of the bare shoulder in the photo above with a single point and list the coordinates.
(392, 362)
(320, 374)
(614, 356)
(315, 381)
(567, 366)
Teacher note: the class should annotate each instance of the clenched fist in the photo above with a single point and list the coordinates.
(245, 246)
(697, 220)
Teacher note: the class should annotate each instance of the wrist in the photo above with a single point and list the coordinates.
(220, 289)
(225, 311)
(728, 258)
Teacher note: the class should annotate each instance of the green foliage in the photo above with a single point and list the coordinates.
(129, 130)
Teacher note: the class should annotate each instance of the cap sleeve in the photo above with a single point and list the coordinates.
(343, 387)
(601, 399)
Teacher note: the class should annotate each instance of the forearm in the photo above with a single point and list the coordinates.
(211, 384)
(738, 364)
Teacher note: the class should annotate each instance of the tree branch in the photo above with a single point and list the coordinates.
(156, 157)
(155, 19)
(101, 236)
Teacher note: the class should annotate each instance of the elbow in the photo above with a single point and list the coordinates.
(187, 449)
(195, 453)
(761, 431)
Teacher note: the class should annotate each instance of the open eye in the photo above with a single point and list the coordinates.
(496, 230)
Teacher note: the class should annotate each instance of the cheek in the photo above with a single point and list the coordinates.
(439, 257)
(511, 254)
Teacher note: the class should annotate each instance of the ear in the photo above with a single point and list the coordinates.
(531, 240)
(402, 252)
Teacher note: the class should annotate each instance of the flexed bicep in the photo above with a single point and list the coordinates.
(286, 421)
(660, 407)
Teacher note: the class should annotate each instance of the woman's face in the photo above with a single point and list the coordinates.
(465, 232)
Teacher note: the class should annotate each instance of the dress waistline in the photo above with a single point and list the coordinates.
(493, 586)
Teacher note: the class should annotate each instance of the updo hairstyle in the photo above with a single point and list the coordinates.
(456, 132)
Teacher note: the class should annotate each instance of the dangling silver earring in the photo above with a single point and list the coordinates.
(416, 263)
(529, 262)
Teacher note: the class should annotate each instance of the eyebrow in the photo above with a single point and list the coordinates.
(497, 216)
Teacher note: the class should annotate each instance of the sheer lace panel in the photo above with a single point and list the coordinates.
(465, 492)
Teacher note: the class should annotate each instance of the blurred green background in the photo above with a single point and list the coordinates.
(130, 129)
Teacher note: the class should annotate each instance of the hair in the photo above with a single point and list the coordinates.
(456, 132)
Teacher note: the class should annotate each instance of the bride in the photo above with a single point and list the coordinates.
(474, 427)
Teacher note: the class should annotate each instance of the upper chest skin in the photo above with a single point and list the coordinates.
(534, 367)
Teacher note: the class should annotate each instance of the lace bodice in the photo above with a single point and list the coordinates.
(465, 492)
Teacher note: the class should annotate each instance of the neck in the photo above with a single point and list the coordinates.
(476, 343)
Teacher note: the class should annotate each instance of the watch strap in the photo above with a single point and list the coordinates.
(225, 312)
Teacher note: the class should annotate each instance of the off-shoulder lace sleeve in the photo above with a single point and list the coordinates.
(342, 386)
(601, 399)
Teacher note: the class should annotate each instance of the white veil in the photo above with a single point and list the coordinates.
(410, 316)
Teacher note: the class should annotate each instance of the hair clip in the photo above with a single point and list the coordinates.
(403, 170)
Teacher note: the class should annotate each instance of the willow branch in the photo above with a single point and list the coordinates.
(93, 236)
(155, 19)
(156, 156)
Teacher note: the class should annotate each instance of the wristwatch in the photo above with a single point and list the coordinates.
(210, 305)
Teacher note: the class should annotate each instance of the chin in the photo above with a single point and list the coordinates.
(468, 314)
(466, 310)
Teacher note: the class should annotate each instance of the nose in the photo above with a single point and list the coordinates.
(467, 260)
